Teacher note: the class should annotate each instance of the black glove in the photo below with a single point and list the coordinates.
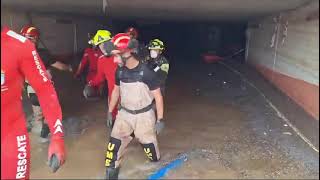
(109, 120)
(159, 126)
(54, 163)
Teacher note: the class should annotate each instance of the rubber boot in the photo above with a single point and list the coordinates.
(113, 121)
(45, 131)
(29, 125)
(112, 173)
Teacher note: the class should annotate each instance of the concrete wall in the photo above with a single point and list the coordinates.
(63, 35)
(285, 49)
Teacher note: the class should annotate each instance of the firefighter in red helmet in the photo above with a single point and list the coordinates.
(90, 60)
(138, 88)
(30, 32)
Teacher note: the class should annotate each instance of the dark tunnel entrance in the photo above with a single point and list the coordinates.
(190, 40)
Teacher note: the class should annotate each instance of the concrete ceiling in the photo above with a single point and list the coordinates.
(160, 9)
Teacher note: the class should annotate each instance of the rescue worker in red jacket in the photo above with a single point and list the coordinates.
(138, 88)
(106, 68)
(37, 123)
(90, 59)
(15, 68)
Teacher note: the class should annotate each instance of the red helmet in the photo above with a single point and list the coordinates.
(30, 31)
(133, 32)
(121, 41)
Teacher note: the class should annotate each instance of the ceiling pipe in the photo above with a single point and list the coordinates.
(104, 6)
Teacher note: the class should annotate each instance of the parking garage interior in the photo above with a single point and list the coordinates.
(253, 113)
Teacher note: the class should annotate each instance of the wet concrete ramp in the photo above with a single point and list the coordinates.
(230, 130)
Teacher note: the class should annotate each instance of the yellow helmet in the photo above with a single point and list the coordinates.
(156, 44)
(100, 37)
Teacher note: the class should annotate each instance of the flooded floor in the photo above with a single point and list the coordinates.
(223, 125)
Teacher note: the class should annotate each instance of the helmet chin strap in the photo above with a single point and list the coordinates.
(125, 59)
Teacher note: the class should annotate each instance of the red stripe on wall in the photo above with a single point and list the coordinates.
(303, 93)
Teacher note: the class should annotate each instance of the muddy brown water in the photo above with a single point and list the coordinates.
(227, 128)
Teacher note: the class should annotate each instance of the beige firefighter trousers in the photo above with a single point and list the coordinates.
(143, 126)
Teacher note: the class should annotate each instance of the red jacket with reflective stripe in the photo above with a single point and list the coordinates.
(89, 58)
(106, 71)
(20, 61)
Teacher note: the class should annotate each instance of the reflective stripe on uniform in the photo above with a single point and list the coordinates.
(30, 89)
(165, 68)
